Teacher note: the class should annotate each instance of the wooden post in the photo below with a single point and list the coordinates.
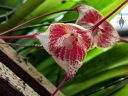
(26, 71)
(12, 85)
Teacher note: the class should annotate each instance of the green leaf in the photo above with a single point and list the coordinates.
(110, 90)
(44, 8)
(123, 91)
(77, 87)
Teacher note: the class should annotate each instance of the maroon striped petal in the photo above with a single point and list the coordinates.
(107, 36)
(68, 45)
(88, 16)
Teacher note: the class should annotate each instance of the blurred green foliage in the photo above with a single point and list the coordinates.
(104, 72)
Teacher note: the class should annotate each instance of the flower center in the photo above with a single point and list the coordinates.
(70, 40)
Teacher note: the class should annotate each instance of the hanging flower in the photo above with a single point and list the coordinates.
(104, 35)
(68, 45)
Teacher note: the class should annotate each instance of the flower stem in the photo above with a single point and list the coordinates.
(60, 85)
(102, 20)
(123, 40)
(33, 36)
(36, 18)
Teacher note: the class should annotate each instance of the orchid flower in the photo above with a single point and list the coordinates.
(103, 33)
(69, 43)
